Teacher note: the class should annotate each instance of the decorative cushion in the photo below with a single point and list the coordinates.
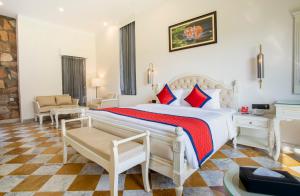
(63, 100)
(46, 100)
(197, 98)
(165, 96)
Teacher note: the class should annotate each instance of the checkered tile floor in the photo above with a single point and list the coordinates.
(31, 164)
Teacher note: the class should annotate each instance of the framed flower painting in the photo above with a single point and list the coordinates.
(195, 32)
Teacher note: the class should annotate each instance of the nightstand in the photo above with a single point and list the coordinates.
(255, 131)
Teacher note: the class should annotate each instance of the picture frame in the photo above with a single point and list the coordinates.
(194, 32)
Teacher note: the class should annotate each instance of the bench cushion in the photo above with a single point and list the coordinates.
(100, 142)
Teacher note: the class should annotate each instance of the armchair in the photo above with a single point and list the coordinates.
(108, 100)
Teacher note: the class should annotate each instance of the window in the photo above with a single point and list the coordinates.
(73, 77)
(127, 60)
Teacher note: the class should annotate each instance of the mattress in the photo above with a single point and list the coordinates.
(219, 121)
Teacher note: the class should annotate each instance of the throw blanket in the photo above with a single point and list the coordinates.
(197, 130)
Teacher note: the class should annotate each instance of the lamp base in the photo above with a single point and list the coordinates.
(96, 92)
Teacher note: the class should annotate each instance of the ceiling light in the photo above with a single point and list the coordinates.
(1, 3)
(105, 24)
(61, 9)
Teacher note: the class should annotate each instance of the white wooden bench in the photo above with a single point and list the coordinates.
(113, 153)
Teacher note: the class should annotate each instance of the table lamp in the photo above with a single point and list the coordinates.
(96, 83)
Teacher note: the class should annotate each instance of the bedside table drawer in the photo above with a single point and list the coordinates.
(252, 122)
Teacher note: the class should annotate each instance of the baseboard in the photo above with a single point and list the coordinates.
(28, 120)
(8, 121)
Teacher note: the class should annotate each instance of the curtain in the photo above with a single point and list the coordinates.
(73, 78)
(127, 61)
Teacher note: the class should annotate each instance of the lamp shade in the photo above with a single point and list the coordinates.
(96, 82)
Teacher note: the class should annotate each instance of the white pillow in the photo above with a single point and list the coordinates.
(214, 102)
(185, 93)
(178, 94)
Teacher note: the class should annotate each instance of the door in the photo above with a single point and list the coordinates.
(74, 77)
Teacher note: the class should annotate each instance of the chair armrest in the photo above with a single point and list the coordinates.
(36, 107)
(75, 101)
(110, 102)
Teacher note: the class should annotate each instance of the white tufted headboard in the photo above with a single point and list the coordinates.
(227, 95)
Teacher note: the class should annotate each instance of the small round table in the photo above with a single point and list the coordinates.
(233, 185)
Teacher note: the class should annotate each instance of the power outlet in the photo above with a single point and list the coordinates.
(11, 99)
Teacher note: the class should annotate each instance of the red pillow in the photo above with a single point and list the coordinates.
(165, 96)
(197, 98)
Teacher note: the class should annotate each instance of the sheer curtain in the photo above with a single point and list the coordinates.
(73, 77)
(127, 61)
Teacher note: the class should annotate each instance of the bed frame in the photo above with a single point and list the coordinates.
(178, 169)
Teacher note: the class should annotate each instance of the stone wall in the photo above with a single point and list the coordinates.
(9, 97)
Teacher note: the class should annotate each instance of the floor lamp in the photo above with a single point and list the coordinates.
(96, 83)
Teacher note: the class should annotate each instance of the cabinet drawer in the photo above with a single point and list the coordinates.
(251, 122)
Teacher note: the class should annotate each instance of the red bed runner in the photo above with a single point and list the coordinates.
(197, 129)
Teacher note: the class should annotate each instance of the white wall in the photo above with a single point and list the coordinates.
(107, 42)
(40, 46)
(242, 26)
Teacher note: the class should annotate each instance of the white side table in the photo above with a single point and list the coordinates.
(249, 122)
(285, 110)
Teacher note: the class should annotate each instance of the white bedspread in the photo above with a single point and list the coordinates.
(219, 121)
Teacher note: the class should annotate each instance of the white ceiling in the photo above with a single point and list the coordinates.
(88, 15)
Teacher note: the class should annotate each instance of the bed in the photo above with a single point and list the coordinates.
(172, 152)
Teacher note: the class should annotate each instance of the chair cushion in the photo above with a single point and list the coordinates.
(63, 100)
(100, 142)
(46, 100)
(47, 108)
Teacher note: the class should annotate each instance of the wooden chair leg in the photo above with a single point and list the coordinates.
(145, 173)
(113, 182)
